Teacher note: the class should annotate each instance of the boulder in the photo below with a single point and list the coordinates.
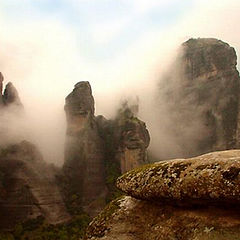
(131, 219)
(212, 178)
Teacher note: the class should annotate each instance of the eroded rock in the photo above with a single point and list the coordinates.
(131, 219)
(212, 178)
(84, 153)
(28, 189)
(199, 100)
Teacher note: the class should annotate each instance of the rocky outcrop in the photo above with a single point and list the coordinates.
(10, 95)
(212, 178)
(27, 188)
(98, 150)
(84, 153)
(192, 199)
(133, 139)
(199, 97)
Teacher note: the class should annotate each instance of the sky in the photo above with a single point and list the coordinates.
(120, 46)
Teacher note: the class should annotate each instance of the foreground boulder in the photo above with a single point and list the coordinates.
(210, 178)
(187, 199)
(131, 219)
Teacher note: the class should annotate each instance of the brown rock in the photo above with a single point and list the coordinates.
(28, 188)
(133, 139)
(199, 97)
(131, 219)
(84, 154)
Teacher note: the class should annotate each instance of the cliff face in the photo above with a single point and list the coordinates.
(200, 97)
(133, 140)
(98, 150)
(190, 199)
(28, 188)
(84, 154)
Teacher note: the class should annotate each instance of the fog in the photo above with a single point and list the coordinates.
(43, 59)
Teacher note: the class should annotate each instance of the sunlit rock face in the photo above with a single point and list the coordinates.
(84, 153)
(199, 97)
(27, 187)
(133, 140)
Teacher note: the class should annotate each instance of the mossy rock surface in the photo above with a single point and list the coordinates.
(212, 178)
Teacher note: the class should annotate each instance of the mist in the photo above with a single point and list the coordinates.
(44, 58)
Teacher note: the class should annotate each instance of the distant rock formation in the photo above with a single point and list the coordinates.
(98, 150)
(28, 188)
(133, 139)
(190, 199)
(10, 95)
(199, 97)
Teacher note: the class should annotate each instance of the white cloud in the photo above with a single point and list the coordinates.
(44, 60)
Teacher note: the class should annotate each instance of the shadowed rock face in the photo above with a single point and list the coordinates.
(84, 154)
(10, 95)
(201, 98)
(131, 219)
(97, 150)
(27, 188)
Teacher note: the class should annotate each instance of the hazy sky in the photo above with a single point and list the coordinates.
(120, 46)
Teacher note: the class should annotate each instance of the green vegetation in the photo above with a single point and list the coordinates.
(99, 224)
(38, 229)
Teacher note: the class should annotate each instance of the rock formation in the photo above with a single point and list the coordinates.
(84, 154)
(199, 97)
(10, 95)
(28, 188)
(99, 150)
(133, 139)
(192, 199)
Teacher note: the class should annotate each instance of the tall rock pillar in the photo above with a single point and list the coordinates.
(84, 163)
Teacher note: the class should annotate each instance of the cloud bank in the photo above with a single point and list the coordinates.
(44, 52)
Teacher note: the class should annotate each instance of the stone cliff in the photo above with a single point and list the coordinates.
(98, 150)
(84, 154)
(190, 199)
(28, 189)
(200, 98)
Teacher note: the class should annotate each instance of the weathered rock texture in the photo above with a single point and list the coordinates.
(99, 150)
(192, 199)
(133, 139)
(131, 219)
(199, 97)
(28, 189)
(210, 178)
(84, 154)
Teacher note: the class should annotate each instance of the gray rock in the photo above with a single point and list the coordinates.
(212, 178)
